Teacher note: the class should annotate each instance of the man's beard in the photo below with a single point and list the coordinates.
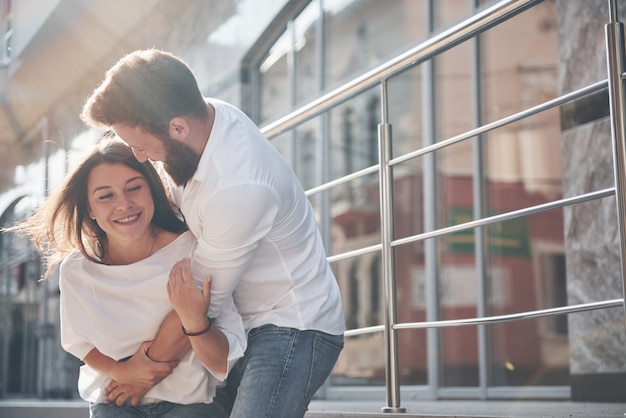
(181, 161)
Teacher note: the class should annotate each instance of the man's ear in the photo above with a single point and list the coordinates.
(178, 128)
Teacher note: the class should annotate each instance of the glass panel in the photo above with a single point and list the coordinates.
(405, 111)
(274, 80)
(408, 199)
(370, 32)
(307, 69)
(527, 65)
(300, 148)
(526, 271)
(453, 102)
(522, 163)
(354, 134)
(362, 361)
(355, 214)
(412, 299)
(458, 284)
(525, 354)
(450, 12)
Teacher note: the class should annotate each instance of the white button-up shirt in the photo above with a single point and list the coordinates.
(256, 230)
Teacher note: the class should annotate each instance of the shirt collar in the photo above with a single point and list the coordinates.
(204, 165)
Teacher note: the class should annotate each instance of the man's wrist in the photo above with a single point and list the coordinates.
(147, 353)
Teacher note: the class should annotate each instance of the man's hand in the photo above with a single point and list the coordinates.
(140, 370)
(120, 393)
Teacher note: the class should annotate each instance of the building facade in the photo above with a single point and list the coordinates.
(508, 125)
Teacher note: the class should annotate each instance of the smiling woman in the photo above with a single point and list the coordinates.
(116, 315)
(73, 214)
(121, 204)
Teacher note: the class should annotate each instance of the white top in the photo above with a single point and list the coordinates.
(116, 308)
(256, 230)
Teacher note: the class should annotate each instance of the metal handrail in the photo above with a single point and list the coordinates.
(507, 120)
(504, 121)
(599, 194)
(582, 307)
(614, 35)
(506, 216)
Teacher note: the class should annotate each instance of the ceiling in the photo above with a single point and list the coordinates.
(70, 52)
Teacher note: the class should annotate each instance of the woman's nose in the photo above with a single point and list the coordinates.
(124, 202)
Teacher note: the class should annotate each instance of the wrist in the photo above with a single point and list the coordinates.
(147, 354)
(193, 332)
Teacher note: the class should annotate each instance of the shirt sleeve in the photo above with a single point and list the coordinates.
(234, 221)
(231, 325)
(72, 340)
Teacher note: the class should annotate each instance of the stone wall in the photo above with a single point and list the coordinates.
(597, 338)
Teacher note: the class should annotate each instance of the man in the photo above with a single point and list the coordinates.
(256, 230)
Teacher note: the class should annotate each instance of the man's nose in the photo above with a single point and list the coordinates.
(141, 156)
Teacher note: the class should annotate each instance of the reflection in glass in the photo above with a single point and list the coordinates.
(362, 361)
(370, 31)
(355, 213)
(406, 112)
(526, 271)
(412, 288)
(354, 134)
(273, 77)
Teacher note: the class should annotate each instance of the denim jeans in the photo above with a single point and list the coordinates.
(279, 373)
(156, 410)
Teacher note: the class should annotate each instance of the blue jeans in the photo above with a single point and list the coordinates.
(279, 373)
(156, 410)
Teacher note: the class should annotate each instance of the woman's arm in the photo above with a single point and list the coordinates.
(169, 343)
(192, 304)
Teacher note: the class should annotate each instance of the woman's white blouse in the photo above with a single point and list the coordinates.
(116, 308)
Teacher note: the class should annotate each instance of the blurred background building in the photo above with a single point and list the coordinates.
(271, 57)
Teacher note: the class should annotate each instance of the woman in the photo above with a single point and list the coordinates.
(115, 211)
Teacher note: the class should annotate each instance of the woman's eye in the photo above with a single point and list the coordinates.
(134, 188)
(104, 196)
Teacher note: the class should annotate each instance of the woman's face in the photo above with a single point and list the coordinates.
(121, 202)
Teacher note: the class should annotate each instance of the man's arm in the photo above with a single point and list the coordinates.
(229, 237)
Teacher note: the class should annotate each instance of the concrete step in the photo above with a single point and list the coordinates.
(471, 408)
(25, 408)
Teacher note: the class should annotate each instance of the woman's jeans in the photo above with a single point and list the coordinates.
(155, 410)
(279, 373)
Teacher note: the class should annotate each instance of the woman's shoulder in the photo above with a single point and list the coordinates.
(175, 242)
(73, 259)
(73, 267)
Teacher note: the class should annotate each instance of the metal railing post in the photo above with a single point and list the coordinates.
(392, 379)
(614, 32)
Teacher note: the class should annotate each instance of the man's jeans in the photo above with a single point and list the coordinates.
(280, 372)
(155, 410)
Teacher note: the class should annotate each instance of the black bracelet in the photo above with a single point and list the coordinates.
(195, 334)
(147, 353)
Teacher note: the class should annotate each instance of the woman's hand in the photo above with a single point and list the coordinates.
(190, 303)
